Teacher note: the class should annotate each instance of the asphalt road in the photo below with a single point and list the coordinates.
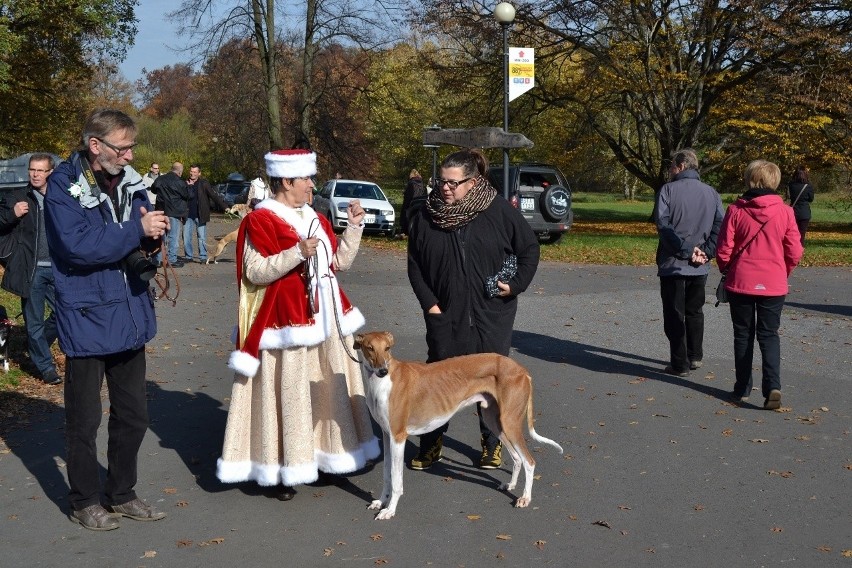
(658, 470)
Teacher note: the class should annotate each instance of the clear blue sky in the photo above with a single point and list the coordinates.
(156, 34)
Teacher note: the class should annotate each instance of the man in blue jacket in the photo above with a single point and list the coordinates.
(98, 217)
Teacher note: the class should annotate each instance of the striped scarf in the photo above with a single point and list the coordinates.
(451, 216)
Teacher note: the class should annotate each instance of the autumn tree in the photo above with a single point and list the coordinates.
(48, 52)
(166, 91)
(650, 73)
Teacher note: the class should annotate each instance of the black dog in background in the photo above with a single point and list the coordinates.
(5, 331)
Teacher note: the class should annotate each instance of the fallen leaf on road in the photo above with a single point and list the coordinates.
(504, 537)
(327, 551)
(727, 433)
(184, 543)
(375, 537)
(474, 517)
(777, 529)
(759, 441)
(602, 524)
(149, 554)
(540, 544)
(169, 490)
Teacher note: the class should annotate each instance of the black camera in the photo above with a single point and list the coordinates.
(139, 264)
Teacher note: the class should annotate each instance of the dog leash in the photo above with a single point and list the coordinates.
(313, 300)
(163, 282)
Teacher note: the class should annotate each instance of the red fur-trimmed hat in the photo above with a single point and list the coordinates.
(291, 163)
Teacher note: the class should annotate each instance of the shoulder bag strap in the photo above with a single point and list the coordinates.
(742, 250)
(801, 191)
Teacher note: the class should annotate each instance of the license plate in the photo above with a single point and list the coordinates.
(527, 203)
(369, 219)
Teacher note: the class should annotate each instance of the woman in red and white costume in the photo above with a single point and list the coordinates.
(297, 406)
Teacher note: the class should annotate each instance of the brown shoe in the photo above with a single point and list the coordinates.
(95, 518)
(773, 401)
(137, 510)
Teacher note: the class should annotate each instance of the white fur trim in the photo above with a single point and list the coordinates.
(291, 163)
(243, 363)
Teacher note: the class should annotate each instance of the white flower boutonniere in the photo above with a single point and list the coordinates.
(76, 190)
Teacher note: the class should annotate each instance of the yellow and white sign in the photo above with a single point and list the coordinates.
(521, 71)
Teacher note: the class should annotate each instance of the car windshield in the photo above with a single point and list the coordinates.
(359, 191)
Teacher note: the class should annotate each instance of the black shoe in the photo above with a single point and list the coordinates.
(51, 378)
(177, 264)
(285, 493)
(671, 371)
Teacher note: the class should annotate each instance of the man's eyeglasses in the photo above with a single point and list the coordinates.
(451, 183)
(38, 171)
(117, 149)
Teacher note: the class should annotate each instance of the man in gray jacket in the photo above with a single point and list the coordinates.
(688, 215)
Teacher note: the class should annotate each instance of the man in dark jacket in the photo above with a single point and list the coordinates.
(97, 214)
(28, 271)
(172, 198)
(200, 196)
(689, 215)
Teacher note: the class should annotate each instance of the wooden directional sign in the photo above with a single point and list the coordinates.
(483, 137)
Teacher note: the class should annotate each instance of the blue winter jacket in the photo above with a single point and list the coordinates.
(99, 309)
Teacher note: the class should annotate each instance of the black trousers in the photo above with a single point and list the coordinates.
(683, 318)
(756, 316)
(128, 422)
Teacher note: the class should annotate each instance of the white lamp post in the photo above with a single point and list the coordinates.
(504, 13)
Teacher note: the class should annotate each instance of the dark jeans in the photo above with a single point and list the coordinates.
(756, 316)
(802, 224)
(683, 318)
(41, 331)
(128, 422)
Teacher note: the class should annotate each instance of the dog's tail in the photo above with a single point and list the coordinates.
(530, 423)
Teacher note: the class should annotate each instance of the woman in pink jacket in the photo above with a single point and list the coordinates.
(759, 245)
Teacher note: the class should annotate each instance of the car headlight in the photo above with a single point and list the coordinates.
(387, 212)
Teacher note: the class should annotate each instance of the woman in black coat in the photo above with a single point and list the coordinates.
(459, 241)
(801, 194)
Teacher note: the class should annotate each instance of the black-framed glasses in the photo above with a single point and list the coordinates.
(453, 184)
(117, 149)
(38, 171)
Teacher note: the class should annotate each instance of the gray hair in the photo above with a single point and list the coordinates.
(104, 122)
(685, 157)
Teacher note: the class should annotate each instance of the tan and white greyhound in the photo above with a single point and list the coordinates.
(407, 397)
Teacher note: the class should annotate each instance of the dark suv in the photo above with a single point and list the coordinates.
(541, 193)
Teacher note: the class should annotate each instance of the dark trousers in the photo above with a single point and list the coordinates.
(442, 344)
(128, 422)
(756, 316)
(683, 318)
(802, 224)
(41, 331)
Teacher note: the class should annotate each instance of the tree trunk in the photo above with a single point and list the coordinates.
(264, 34)
(307, 104)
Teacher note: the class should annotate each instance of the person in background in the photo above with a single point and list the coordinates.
(460, 240)
(414, 195)
(149, 178)
(198, 213)
(298, 405)
(172, 198)
(98, 220)
(28, 273)
(258, 191)
(688, 214)
(800, 194)
(759, 246)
